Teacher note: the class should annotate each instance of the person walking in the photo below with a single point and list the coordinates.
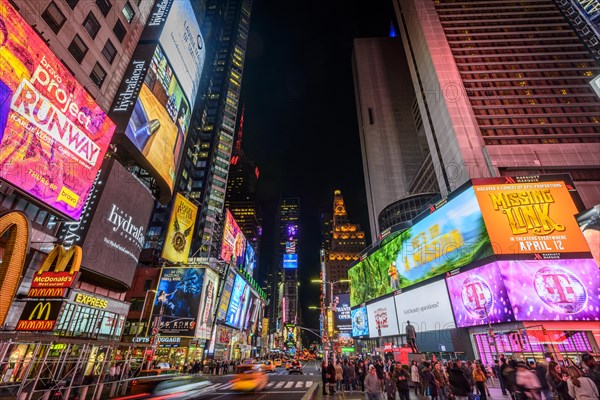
(441, 380)
(541, 371)
(402, 378)
(372, 384)
(557, 380)
(415, 378)
(331, 378)
(324, 376)
(346, 375)
(479, 378)
(352, 373)
(362, 374)
(390, 387)
(459, 384)
(500, 374)
(592, 367)
(581, 387)
(339, 376)
(527, 383)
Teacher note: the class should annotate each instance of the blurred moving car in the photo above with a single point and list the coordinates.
(269, 366)
(277, 362)
(158, 372)
(295, 367)
(249, 377)
(179, 388)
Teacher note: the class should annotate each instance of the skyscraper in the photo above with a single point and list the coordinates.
(504, 89)
(347, 241)
(289, 219)
(393, 143)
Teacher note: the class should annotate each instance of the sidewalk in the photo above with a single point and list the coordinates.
(496, 394)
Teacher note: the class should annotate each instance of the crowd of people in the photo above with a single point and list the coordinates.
(463, 380)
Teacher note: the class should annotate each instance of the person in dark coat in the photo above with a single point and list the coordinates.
(557, 380)
(402, 378)
(324, 376)
(331, 378)
(458, 382)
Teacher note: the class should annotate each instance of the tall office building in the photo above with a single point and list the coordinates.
(206, 157)
(347, 241)
(503, 87)
(241, 192)
(393, 145)
(289, 219)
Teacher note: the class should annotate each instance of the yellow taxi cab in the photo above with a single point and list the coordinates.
(249, 377)
(268, 366)
(277, 362)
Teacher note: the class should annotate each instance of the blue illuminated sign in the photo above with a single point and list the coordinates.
(290, 261)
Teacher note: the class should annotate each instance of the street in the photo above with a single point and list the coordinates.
(281, 385)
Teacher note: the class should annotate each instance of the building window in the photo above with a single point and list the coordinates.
(128, 12)
(109, 51)
(54, 17)
(91, 25)
(78, 49)
(72, 3)
(98, 75)
(120, 30)
(104, 6)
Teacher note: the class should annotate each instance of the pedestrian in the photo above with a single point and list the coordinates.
(593, 368)
(541, 371)
(557, 380)
(479, 379)
(339, 376)
(581, 387)
(402, 378)
(380, 374)
(415, 378)
(331, 378)
(390, 387)
(459, 384)
(324, 376)
(352, 373)
(432, 383)
(372, 385)
(346, 375)
(441, 380)
(498, 372)
(112, 372)
(362, 374)
(528, 383)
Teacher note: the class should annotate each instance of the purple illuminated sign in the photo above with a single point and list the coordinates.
(553, 290)
(478, 296)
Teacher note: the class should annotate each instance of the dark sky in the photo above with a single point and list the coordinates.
(300, 121)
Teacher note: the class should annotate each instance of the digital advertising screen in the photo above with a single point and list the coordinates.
(234, 242)
(290, 261)
(479, 297)
(453, 236)
(208, 304)
(589, 223)
(240, 295)
(342, 316)
(179, 295)
(250, 259)
(530, 218)
(427, 308)
(553, 290)
(382, 315)
(53, 136)
(226, 296)
(360, 322)
(154, 102)
(116, 234)
(179, 235)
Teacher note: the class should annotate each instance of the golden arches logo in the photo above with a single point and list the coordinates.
(40, 308)
(59, 258)
(16, 225)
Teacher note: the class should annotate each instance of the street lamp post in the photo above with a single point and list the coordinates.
(330, 308)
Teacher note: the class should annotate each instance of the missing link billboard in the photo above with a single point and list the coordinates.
(53, 136)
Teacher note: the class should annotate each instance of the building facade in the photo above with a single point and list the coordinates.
(393, 145)
(504, 86)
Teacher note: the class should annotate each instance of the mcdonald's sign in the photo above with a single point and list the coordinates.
(57, 273)
(39, 315)
(15, 226)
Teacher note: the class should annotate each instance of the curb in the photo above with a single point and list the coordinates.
(310, 395)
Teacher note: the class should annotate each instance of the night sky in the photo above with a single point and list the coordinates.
(300, 122)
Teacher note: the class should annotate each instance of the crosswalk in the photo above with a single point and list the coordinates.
(282, 385)
(287, 373)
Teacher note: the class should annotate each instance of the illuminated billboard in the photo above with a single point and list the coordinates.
(530, 217)
(553, 290)
(479, 297)
(53, 136)
(589, 223)
(250, 259)
(342, 318)
(426, 307)
(226, 296)
(179, 296)
(238, 303)
(290, 261)
(115, 236)
(207, 305)
(181, 228)
(156, 97)
(234, 242)
(360, 322)
(383, 320)
(452, 237)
